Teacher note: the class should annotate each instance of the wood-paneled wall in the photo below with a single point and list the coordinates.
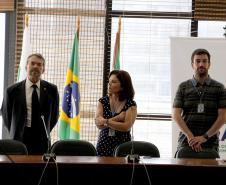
(6, 5)
(210, 10)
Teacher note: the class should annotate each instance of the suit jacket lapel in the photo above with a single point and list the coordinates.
(21, 94)
(43, 94)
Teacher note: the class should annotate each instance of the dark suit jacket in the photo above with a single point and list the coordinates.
(14, 110)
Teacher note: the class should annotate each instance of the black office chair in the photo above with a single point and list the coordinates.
(73, 148)
(141, 148)
(12, 147)
(187, 152)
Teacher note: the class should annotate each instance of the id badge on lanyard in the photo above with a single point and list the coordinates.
(200, 108)
(111, 132)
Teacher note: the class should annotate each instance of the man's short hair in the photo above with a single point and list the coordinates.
(38, 55)
(200, 51)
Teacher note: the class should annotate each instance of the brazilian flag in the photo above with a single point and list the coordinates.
(69, 121)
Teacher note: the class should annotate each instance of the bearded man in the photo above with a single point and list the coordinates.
(199, 109)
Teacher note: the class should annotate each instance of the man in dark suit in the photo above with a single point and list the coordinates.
(24, 106)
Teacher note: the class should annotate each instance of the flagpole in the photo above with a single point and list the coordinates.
(26, 20)
(119, 33)
(119, 29)
(78, 25)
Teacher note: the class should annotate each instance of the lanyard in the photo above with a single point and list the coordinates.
(200, 93)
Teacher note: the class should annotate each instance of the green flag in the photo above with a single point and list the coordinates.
(116, 58)
(70, 113)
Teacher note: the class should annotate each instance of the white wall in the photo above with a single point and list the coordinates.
(181, 50)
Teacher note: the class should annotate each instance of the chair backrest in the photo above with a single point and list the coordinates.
(73, 148)
(187, 152)
(141, 148)
(12, 147)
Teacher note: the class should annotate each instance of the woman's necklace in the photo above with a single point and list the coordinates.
(116, 106)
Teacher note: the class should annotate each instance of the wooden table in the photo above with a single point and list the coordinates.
(24, 170)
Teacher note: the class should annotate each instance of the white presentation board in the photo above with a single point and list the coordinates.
(181, 70)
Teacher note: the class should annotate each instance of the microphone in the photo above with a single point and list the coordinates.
(47, 156)
(132, 158)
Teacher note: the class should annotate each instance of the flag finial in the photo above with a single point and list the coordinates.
(26, 20)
